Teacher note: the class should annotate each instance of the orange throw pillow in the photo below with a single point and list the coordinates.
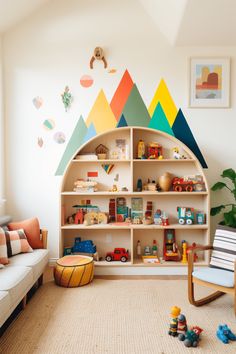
(31, 229)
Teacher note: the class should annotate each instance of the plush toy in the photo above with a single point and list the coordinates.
(98, 55)
(224, 334)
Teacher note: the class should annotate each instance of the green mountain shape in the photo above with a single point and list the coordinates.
(73, 145)
(91, 132)
(122, 122)
(135, 110)
(159, 121)
(183, 133)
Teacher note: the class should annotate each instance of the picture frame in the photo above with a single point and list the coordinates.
(209, 83)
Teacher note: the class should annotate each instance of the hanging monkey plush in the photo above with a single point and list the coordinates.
(98, 55)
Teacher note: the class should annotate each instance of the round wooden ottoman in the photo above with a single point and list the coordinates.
(73, 271)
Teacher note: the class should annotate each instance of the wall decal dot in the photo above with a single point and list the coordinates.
(86, 81)
(40, 141)
(37, 102)
(112, 71)
(49, 124)
(59, 137)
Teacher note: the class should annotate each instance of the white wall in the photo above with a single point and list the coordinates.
(52, 49)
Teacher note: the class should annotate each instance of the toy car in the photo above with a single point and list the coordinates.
(185, 215)
(119, 254)
(180, 184)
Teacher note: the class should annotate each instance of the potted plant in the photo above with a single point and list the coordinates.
(229, 215)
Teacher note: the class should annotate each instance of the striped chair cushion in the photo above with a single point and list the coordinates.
(224, 248)
(3, 248)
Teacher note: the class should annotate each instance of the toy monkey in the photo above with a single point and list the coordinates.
(98, 55)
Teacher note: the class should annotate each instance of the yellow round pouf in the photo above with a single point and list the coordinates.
(73, 271)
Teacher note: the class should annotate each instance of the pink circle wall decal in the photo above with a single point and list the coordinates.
(86, 81)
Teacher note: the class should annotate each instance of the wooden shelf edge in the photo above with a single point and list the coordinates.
(134, 227)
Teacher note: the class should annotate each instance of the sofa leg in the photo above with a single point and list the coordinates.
(24, 300)
(40, 280)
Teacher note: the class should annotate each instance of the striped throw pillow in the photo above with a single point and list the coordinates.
(16, 242)
(3, 248)
(224, 248)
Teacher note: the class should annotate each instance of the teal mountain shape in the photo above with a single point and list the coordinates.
(122, 122)
(183, 133)
(159, 121)
(91, 132)
(135, 110)
(73, 145)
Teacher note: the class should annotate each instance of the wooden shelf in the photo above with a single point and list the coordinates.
(102, 161)
(133, 226)
(164, 160)
(136, 193)
(139, 263)
(112, 264)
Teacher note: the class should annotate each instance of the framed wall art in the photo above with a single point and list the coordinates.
(209, 82)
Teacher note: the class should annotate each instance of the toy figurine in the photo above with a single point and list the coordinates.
(141, 149)
(185, 215)
(225, 334)
(139, 185)
(164, 219)
(157, 217)
(147, 251)
(154, 248)
(182, 327)
(192, 337)
(155, 151)
(175, 311)
(177, 155)
(184, 255)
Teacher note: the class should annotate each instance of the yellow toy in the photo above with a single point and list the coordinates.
(175, 311)
(184, 255)
(141, 149)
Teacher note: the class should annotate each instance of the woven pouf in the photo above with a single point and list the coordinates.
(73, 271)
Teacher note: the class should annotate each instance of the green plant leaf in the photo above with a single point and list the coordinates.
(230, 219)
(234, 193)
(217, 210)
(229, 173)
(218, 185)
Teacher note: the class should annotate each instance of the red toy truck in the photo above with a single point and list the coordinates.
(119, 254)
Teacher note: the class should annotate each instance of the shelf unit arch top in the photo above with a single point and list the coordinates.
(173, 139)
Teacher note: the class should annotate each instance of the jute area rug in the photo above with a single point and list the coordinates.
(114, 316)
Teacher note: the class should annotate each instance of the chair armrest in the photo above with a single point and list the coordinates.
(191, 255)
(44, 235)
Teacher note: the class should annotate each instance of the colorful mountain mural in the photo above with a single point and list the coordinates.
(159, 121)
(183, 133)
(128, 109)
(101, 115)
(73, 145)
(163, 96)
(121, 95)
(135, 111)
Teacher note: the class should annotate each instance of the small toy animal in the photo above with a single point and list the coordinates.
(225, 334)
(177, 155)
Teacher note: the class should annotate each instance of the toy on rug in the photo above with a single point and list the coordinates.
(225, 334)
(175, 311)
(192, 337)
(181, 327)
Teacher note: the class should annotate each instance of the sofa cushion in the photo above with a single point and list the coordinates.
(5, 307)
(37, 260)
(3, 247)
(224, 248)
(17, 242)
(16, 281)
(32, 231)
(215, 276)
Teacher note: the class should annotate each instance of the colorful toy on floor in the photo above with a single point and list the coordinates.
(225, 334)
(175, 311)
(182, 327)
(192, 337)
(119, 254)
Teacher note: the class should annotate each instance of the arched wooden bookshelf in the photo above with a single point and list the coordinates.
(129, 169)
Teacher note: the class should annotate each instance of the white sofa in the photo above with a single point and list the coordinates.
(19, 276)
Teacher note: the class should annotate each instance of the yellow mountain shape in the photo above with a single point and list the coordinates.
(163, 96)
(101, 115)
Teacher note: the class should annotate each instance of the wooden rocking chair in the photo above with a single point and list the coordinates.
(221, 280)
